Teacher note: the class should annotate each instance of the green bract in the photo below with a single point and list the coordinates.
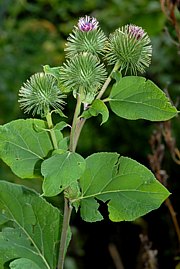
(132, 50)
(39, 94)
(92, 41)
(84, 75)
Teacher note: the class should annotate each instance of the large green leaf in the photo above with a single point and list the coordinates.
(24, 144)
(137, 98)
(34, 227)
(61, 171)
(23, 264)
(130, 189)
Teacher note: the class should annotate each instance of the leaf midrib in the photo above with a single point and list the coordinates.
(25, 149)
(144, 104)
(113, 191)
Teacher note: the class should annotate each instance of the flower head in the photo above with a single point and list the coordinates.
(86, 37)
(39, 94)
(136, 31)
(130, 47)
(84, 75)
(87, 23)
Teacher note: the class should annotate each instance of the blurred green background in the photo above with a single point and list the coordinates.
(32, 34)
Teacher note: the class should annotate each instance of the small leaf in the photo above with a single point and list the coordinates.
(61, 125)
(130, 189)
(63, 143)
(23, 263)
(97, 107)
(54, 71)
(60, 171)
(117, 76)
(61, 114)
(137, 98)
(34, 228)
(89, 210)
(24, 144)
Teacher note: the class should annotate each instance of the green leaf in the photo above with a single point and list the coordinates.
(54, 71)
(89, 210)
(130, 189)
(60, 171)
(137, 98)
(117, 76)
(23, 263)
(34, 228)
(24, 144)
(97, 107)
(61, 125)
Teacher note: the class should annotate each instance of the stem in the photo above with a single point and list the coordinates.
(80, 124)
(64, 233)
(108, 80)
(76, 128)
(115, 256)
(67, 205)
(73, 140)
(52, 133)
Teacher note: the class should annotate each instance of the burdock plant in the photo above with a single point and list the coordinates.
(34, 233)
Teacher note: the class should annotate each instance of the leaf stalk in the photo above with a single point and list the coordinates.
(108, 80)
(51, 130)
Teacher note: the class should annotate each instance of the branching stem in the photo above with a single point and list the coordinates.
(74, 135)
(73, 139)
(108, 80)
(76, 129)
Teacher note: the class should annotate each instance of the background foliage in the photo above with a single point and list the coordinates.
(33, 34)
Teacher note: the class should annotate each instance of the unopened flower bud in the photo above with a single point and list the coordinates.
(40, 94)
(130, 47)
(84, 75)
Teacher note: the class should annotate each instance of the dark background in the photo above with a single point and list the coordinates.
(32, 34)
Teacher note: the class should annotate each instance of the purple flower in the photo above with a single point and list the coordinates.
(87, 23)
(136, 31)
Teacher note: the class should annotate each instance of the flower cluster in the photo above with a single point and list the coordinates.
(83, 73)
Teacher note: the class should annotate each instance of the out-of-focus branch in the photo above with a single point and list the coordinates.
(168, 7)
(115, 256)
(170, 142)
(156, 158)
